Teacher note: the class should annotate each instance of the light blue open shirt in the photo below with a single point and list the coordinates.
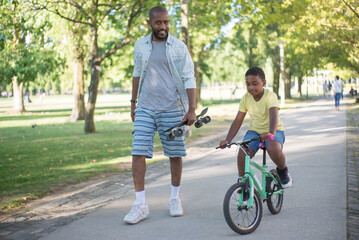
(179, 61)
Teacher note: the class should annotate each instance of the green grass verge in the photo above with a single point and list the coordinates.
(36, 160)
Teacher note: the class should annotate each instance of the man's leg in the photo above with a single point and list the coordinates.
(176, 170)
(138, 172)
(142, 146)
(176, 174)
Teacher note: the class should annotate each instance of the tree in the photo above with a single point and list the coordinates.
(96, 15)
(335, 25)
(26, 52)
(201, 24)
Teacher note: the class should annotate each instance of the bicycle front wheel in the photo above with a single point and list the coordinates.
(242, 220)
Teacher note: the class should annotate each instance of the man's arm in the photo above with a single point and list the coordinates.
(135, 83)
(191, 114)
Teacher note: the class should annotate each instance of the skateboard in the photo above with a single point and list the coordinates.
(176, 131)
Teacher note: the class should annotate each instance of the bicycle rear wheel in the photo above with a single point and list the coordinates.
(274, 202)
(242, 220)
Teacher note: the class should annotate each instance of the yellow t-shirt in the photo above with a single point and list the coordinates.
(259, 111)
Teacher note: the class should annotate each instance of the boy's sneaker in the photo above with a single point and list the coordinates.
(175, 207)
(138, 212)
(285, 178)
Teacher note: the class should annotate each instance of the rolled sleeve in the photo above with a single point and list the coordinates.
(137, 61)
(188, 78)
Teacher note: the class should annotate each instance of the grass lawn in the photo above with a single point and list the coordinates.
(36, 160)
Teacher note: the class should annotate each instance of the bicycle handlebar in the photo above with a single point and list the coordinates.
(245, 143)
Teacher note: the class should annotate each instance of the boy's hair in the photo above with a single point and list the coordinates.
(337, 77)
(256, 71)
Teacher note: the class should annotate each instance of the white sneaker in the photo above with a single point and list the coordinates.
(175, 207)
(138, 212)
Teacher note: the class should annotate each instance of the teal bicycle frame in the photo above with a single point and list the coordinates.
(250, 177)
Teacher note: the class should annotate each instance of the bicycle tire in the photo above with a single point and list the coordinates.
(242, 220)
(274, 202)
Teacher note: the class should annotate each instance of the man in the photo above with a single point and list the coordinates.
(337, 90)
(163, 81)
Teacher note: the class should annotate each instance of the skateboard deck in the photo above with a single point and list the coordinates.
(176, 131)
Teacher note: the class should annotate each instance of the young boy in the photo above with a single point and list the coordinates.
(262, 106)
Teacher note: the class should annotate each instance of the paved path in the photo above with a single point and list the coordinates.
(314, 209)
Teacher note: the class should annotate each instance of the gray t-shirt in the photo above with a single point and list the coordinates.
(158, 91)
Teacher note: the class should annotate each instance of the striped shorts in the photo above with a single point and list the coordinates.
(147, 122)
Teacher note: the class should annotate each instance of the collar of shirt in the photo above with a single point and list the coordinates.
(168, 41)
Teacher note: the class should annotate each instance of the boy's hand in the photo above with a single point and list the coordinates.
(266, 136)
(223, 143)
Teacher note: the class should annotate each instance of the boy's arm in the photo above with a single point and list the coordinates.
(273, 122)
(233, 130)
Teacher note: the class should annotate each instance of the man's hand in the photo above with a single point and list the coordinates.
(190, 117)
(133, 107)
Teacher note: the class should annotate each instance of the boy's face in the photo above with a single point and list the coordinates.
(255, 85)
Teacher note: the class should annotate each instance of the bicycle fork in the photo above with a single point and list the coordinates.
(247, 187)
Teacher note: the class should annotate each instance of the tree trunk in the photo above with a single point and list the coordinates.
(93, 88)
(198, 84)
(78, 111)
(184, 23)
(300, 81)
(276, 70)
(19, 106)
(287, 83)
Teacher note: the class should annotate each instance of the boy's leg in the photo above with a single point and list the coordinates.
(275, 152)
(241, 161)
(253, 148)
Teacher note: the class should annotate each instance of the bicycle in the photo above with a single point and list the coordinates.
(242, 205)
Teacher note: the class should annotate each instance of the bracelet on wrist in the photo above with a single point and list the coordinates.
(133, 101)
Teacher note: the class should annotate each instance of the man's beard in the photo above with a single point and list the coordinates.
(155, 33)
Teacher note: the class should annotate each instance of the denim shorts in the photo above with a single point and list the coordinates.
(148, 122)
(279, 137)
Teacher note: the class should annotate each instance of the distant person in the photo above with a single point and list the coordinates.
(27, 93)
(325, 89)
(352, 92)
(164, 82)
(262, 106)
(234, 91)
(329, 89)
(337, 91)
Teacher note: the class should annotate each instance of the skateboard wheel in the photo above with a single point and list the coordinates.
(170, 137)
(198, 124)
(178, 132)
(206, 119)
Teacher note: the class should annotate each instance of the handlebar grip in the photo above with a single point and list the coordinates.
(270, 137)
(222, 147)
